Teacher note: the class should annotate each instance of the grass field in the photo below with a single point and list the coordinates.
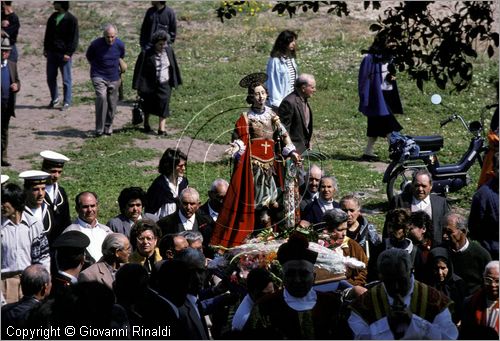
(214, 56)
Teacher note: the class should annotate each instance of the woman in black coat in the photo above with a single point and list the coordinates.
(156, 73)
(446, 281)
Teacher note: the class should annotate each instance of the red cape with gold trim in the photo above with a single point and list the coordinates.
(237, 217)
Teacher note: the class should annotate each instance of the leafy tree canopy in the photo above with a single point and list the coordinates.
(425, 46)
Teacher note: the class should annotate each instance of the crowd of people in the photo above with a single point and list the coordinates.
(431, 273)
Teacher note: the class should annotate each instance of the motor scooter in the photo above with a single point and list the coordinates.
(411, 153)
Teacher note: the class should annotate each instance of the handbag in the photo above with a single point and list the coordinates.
(137, 114)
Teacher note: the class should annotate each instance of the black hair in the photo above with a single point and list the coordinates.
(64, 4)
(159, 35)
(258, 279)
(14, 195)
(69, 257)
(422, 219)
(251, 91)
(141, 226)
(280, 47)
(169, 160)
(130, 193)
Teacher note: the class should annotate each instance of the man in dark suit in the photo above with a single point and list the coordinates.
(216, 196)
(419, 198)
(68, 260)
(187, 218)
(310, 189)
(36, 285)
(314, 211)
(10, 86)
(295, 112)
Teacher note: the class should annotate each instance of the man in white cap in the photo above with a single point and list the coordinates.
(10, 86)
(23, 241)
(5, 178)
(34, 187)
(56, 196)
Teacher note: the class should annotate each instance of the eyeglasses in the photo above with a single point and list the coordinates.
(490, 281)
(147, 239)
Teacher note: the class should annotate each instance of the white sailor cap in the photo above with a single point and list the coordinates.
(34, 177)
(5, 178)
(53, 159)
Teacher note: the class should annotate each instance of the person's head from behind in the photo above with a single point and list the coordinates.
(335, 225)
(69, 251)
(174, 281)
(194, 239)
(217, 193)
(328, 188)
(421, 184)
(131, 201)
(159, 40)
(420, 227)
(194, 261)
(171, 244)
(455, 230)
(131, 280)
(351, 205)
(397, 221)
(490, 280)
(285, 45)
(144, 237)
(35, 281)
(298, 265)
(259, 283)
(13, 200)
(87, 206)
(172, 163)
(190, 201)
(61, 6)
(395, 268)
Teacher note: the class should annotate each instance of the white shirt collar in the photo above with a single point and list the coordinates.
(187, 222)
(301, 303)
(466, 245)
(72, 278)
(212, 213)
(426, 201)
(84, 224)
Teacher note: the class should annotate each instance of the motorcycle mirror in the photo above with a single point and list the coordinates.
(436, 99)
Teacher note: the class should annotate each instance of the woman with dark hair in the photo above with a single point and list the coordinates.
(421, 235)
(445, 280)
(161, 198)
(131, 202)
(144, 237)
(378, 94)
(281, 68)
(156, 73)
(252, 187)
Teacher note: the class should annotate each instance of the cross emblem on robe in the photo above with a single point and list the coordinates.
(265, 145)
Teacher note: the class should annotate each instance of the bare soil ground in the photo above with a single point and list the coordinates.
(36, 128)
